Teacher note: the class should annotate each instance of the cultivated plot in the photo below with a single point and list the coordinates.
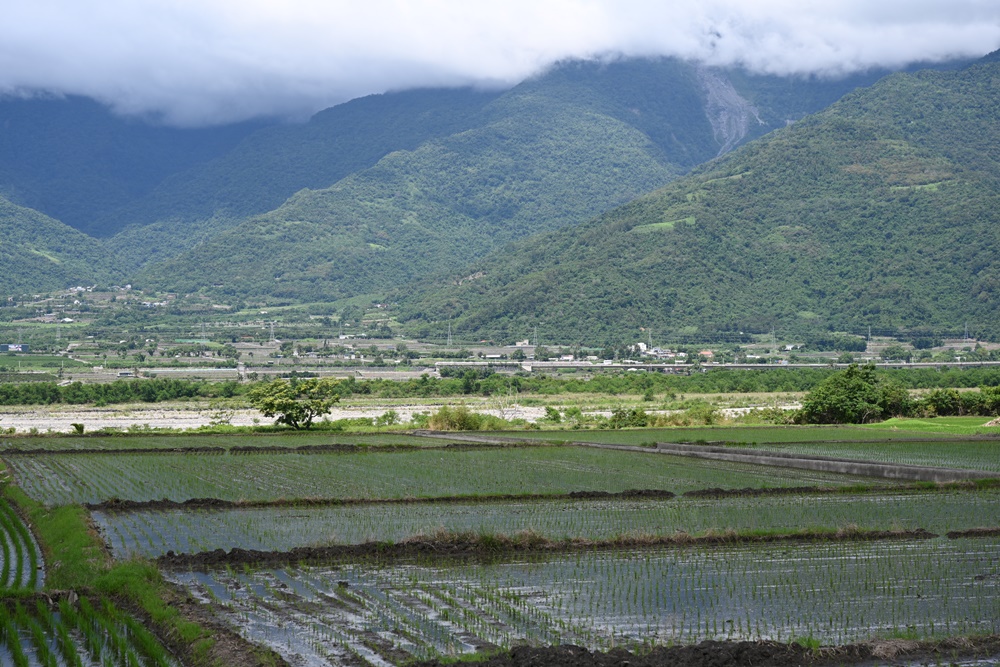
(20, 560)
(743, 434)
(154, 533)
(983, 455)
(833, 592)
(243, 440)
(76, 635)
(92, 478)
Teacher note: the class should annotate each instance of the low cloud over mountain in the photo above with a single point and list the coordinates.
(217, 61)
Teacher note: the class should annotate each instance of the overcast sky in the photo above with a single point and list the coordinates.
(207, 61)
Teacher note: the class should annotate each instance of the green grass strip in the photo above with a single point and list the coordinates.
(78, 561)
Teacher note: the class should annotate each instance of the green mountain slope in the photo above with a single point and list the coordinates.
(74, 160)
(551, 152)
(417, 212)
(881, 211)
(40, 254)
(274, 163)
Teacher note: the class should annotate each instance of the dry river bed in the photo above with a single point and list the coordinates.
(60, 419)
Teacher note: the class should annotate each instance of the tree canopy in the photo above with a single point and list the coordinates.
(295, 403)
(858, 395)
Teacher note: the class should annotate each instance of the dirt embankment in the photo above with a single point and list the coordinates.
(479, 545)
(123, 505)
(120, 505)
(746, 654)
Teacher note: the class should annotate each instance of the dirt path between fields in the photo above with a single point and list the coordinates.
(466, 545)
(749, 654)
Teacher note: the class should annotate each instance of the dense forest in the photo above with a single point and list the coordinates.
(880, 211)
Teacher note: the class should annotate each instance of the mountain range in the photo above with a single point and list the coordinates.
(591, 200)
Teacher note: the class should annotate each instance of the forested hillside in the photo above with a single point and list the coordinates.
(39, 254)
(74, 160)
(374, 194)
(881, 211)
(549, 153)
(275, 162)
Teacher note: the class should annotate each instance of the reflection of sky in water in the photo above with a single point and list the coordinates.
(837, 593)
(152, 534)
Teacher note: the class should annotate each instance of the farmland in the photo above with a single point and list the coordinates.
(758, 434)
(974, 455)
(154, 533)
(76, 634)
(347, 549)
(93, 478)
(131, 442)
(64, 630)
(833, 593)
(21, 562)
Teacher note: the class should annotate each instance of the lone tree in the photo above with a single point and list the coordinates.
(294, 403)
(857, 395)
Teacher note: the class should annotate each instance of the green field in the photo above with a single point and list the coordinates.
(968, 454)
(39, 362)
(958, 426)
(284, 440)
(59, 479)
(154, 533)
(590, 589)
(747, 434)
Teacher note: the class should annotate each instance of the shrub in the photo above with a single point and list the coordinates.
(462, 419)
(857, 395)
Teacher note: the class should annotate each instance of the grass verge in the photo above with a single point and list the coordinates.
(76, 559)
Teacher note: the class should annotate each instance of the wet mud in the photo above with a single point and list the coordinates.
(121, 505)
(747, 654)
(478, 545)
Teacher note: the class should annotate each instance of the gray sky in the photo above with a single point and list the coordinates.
(207, 61)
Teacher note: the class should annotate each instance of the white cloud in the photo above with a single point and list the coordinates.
(197, 61)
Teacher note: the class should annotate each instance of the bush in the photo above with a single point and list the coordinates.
(942, 403)
(857, 395)
(462, 419)
(634, 418)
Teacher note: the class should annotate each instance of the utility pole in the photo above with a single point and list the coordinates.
(449, 333)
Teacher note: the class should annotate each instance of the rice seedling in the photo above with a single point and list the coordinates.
(77, 635)
(20, 568)
(92, 478)
(832, 592)
(154, 533)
